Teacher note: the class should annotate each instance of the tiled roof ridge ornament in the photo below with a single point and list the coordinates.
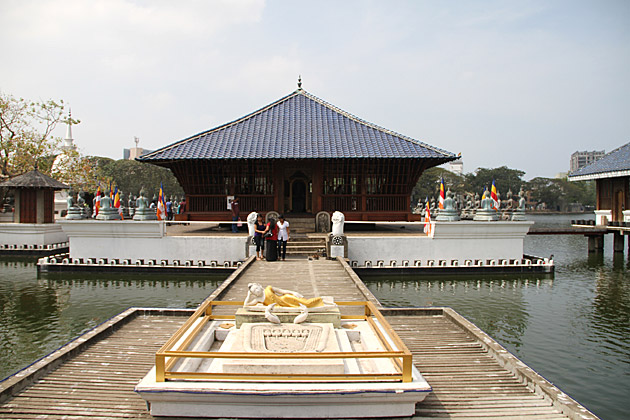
(299, 82)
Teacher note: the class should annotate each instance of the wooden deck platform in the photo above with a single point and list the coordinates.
(93, 377)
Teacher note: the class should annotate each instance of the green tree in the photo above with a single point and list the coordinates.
(505, 179)
(131, 176)
(428, 184)
(26, 138)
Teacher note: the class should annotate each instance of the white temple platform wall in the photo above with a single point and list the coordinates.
(31, 234)
(451, 241)
(147, 240)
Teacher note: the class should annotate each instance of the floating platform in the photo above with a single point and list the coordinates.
(471, 375)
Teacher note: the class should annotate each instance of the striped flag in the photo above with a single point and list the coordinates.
(442, 194)
(117, 202)
(161, 205)
(428, 228)
(493, 195)
(97, 203)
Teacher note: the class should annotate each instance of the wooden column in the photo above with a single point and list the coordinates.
(618, 242)
(278, 188)
(318, 180)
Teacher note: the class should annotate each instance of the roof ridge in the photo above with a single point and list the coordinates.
(370, 124)
(225, 125)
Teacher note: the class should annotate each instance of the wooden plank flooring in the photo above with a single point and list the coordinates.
(468, 382)
(99, 382)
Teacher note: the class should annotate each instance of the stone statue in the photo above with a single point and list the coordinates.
(70, 200)
(338, 220)
(74, 212)
(448, 213)
(486, 212)
(107, 211)
(251, 223)
(274, 295)
(143, 212)
(519, 213)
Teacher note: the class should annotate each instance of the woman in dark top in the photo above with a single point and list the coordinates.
(259, 229)
(271, 248)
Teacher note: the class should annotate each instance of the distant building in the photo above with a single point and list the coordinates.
(612, 181)
(456, 166)
(134, 152)
(582, 159)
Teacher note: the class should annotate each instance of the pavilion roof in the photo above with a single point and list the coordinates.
(298, 126)
(34, 179)
(614, 164)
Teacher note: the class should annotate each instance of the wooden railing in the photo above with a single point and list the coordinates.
(218, 203)
(341, 202)
(387, 203)
(374, 203)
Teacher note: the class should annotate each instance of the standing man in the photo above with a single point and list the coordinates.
(235, 214)
(169, 209)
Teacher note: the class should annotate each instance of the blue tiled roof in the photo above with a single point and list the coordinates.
(610, 165)
(298, 126)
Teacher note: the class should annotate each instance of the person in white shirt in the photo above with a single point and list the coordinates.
(283, 236)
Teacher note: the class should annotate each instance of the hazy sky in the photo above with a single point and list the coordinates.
(516, 83)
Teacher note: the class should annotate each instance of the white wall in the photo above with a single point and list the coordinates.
(31, 234)
(147, 240)
(452, 241)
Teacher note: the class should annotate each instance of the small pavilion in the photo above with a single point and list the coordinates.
(299, 155)
(612, 180)
(34, 197)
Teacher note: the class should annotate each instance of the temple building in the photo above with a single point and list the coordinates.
(299, 155)
(612, 181)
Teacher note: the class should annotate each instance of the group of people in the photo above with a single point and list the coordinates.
(273, 237)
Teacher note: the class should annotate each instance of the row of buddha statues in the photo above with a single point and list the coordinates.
(472, 207)
(137, 208)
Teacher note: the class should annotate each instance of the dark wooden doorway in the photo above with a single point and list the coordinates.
(298, 196)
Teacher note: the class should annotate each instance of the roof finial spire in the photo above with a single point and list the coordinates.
(68, 141)
(299, 82)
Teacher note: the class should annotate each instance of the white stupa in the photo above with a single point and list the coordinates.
(59, 167)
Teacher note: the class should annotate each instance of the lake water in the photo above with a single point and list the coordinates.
(573, 328)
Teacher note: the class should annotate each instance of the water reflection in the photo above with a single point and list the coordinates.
(40, 313)
(496, 303)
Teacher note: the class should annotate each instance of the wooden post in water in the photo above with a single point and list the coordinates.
(595, 243)
(618, 241)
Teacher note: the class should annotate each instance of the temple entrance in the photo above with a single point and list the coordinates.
(298, 196)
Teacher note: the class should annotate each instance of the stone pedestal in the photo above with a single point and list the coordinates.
(448, 215)
(519, 215)
(485, 215)
(337, 246)
(145, 213)
(287, 315)
(272, 338)
(75, 213)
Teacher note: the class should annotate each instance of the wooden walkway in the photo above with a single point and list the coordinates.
(472, 376)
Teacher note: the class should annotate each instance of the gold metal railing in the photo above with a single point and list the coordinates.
(166, 356)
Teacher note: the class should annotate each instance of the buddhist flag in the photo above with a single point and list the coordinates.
(111, 190)
(117, 202)
(161, 205)
(428, 228)
(97, 203)
(442, 195)
(493, 195)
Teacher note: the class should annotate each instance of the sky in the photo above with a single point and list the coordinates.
(517, 83)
